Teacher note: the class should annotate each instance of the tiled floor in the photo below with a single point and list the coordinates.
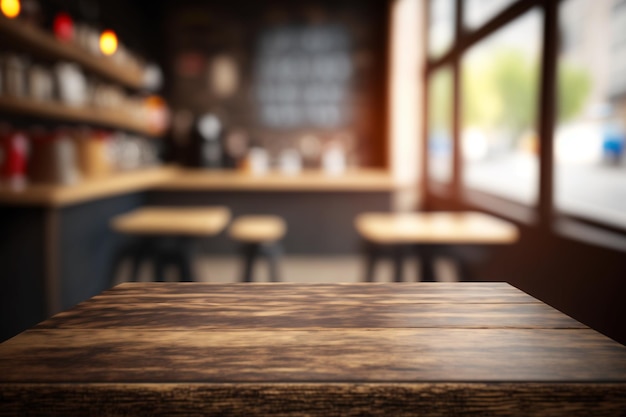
(305, 269)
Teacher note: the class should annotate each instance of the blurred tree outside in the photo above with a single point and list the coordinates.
(500, 93)
(574, 86)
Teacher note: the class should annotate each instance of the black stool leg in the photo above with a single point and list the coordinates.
(185, 259)
(140, 251)
(250, 252)
(427, 267)
(463, 270)
(372, 254)
(273, 252)
(398, 263)
(116, 260)
(159, 263)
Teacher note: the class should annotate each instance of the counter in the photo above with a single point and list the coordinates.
(367, 180)
(180, 179)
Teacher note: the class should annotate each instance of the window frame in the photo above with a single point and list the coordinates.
(544, 214)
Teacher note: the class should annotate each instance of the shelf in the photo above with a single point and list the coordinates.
(45, 44)
(57, 111)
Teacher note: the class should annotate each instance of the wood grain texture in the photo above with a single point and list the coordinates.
(423, 292)
(393, 355)
(302, 399)
(435, 227)
(432, 349)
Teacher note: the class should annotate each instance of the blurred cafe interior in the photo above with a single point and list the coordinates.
(316, 141)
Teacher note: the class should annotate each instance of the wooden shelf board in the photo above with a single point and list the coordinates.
(45, 44)
(58, 111)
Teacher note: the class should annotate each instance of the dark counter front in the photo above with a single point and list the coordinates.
(52, 258)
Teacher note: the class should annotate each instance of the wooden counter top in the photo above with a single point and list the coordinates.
(355, 180)
(179, 179)
(444, 349)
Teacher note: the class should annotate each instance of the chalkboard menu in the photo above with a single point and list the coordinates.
(303, 77)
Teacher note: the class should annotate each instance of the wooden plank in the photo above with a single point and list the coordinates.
(380, 293)
(238, 313)
(368, 355)
(423, 399)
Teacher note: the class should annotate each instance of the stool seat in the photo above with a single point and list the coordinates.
(425, 234)
(258, 229)
(436, 227)
(168, 221)
(259, 235)
(166, 236)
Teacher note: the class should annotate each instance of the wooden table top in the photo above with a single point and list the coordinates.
(435, 227)
(179, 221)
(444, 349)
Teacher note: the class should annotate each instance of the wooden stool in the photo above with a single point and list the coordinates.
(425, 234)
(259, 235)
(166, 236)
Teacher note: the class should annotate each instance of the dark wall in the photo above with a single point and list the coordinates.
(199, 31)
(22, 269)
(87, 245)
(317, 222)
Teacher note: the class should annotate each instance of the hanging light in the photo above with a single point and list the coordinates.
(10, 8)
(108, 42)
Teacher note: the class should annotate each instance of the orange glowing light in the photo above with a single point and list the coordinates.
(108, 42)
(10, 8)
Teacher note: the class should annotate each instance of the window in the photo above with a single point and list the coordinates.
(590, 132)
(441, 29)
(477, 12)
(440, 163)
(503, 87)
(500, 80)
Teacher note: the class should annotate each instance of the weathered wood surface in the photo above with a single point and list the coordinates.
(303, 399)
(432, 349)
